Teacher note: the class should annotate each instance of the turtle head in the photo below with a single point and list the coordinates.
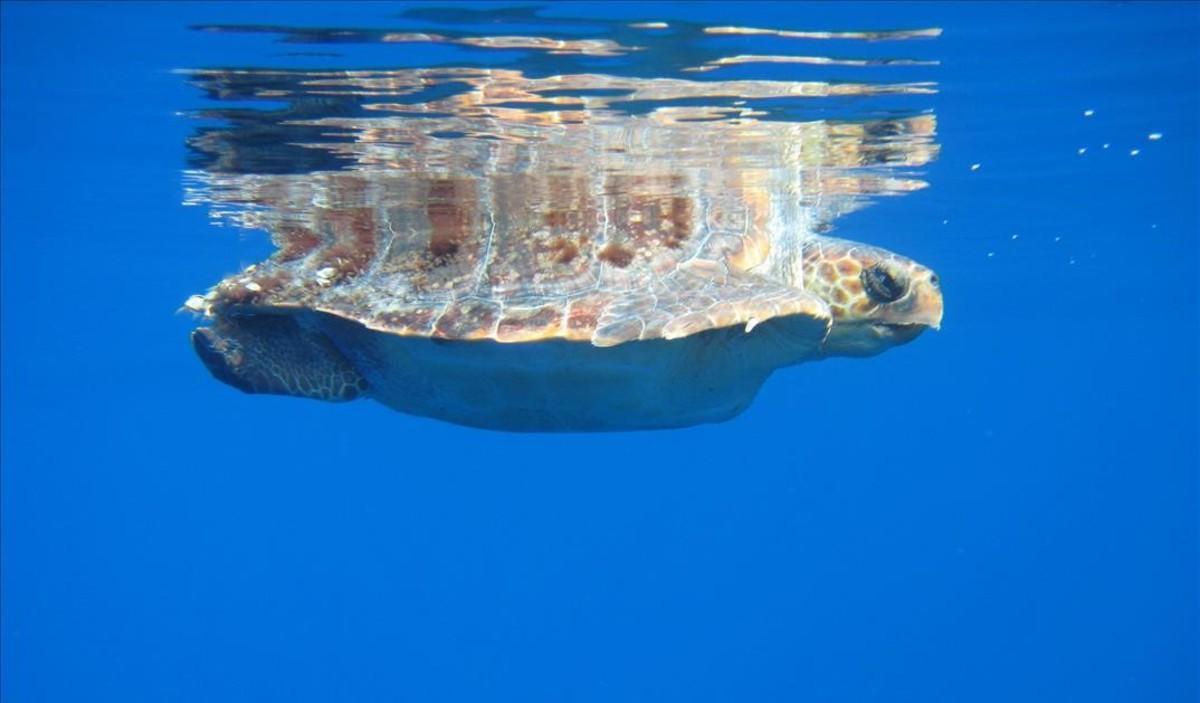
(877, 299)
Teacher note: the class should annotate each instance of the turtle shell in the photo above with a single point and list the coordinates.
(524, 257)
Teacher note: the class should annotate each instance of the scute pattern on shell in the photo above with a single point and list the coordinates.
(444, 259)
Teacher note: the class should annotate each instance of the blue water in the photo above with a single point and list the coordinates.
(1005, 510)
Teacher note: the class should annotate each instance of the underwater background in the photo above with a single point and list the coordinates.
(1006, 509)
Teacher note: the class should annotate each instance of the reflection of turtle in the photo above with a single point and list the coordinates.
(661, 318)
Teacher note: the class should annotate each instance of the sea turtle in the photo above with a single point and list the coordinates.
(649, 310)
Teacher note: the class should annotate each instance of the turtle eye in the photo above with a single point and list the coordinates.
(882, 285)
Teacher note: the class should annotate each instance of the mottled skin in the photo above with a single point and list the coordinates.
(277, 354)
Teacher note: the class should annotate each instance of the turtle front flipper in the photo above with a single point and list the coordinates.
(264, 353)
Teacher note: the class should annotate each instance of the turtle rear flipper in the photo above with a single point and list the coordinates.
(263, 353)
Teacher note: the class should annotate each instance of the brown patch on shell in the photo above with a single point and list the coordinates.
(571, 205)
(616, 255)
(354, 231)
(410, 321)
(680, 218)
(563, 250)
(467, 320)
(529, 324)
(295, 242)
(646, 214)
(274, 281)
(582, 318)
(449, 221)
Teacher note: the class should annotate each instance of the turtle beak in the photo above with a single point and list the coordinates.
(927, 309)
(920, 310)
